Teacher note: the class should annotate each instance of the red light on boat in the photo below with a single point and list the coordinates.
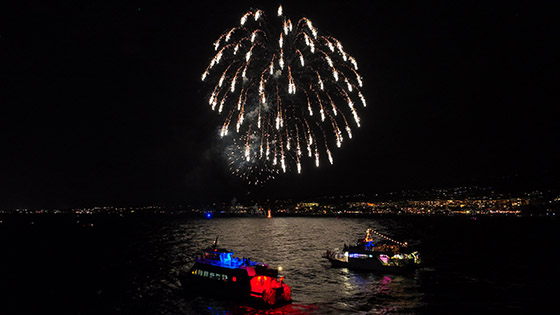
(234, 279)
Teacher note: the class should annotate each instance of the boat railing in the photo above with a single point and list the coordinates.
(233, 262)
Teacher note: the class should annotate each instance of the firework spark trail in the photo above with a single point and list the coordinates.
(284, 85)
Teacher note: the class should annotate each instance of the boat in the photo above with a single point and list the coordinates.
(391, 256)
(219, 273)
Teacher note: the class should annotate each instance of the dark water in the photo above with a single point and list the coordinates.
(130, 265)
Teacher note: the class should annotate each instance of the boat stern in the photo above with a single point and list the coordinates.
(272, 291)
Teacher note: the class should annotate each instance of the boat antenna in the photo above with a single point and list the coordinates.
(405, 244)
(215, 243)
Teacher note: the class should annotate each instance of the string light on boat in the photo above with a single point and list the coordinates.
(405, 244)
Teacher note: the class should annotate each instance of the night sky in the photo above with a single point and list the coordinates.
(102, 104)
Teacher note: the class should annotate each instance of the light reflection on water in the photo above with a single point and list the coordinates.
(131, 265)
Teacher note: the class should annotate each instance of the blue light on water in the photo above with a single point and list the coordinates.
(208, 215)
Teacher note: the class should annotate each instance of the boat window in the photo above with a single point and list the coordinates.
(355, 255)
(384, 259)
(205, 274)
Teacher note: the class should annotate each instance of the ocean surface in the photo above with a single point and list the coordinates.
(130, 265)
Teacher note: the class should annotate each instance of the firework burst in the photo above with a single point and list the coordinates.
(287, 94)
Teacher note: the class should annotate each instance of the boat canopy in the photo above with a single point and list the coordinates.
(223, 258)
